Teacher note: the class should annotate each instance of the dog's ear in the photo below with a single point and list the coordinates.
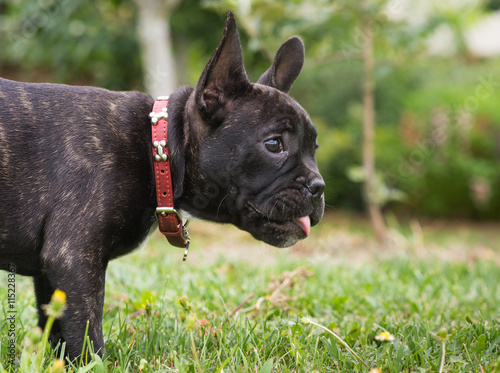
(224, 78)
(286, 66)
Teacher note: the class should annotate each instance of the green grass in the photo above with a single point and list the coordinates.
(239, 306)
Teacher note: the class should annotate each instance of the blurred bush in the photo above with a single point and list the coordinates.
(444, 151)
(438, 134)
(76, 41)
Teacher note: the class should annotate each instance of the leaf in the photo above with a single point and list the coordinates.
(332, 348)
(457, 359)
(100, 365)
(148, 297)
(87, 368)
(381, 193)
(481, 343)
(267, 367)
(356, 174)
(297, 329)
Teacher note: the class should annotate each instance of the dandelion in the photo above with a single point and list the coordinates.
(54, 310)
(57, 366)
(183, 301)
(59, 297)
(57, 304)
(442, 334)
(384, 337)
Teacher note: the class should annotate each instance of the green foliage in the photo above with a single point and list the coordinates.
(82, 41)
(448, 164)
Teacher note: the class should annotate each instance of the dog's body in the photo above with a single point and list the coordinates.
(77, 184)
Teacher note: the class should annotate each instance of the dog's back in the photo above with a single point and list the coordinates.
(65, 167)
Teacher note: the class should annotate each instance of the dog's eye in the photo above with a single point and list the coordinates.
(274, 145)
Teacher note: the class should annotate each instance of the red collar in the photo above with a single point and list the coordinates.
(169, 219)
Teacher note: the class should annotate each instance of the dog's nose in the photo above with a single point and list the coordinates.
(316, 186)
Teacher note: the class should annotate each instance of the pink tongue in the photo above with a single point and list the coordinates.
(305, 223)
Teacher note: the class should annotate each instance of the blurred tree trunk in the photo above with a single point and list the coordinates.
(369, 187)
(156, 45)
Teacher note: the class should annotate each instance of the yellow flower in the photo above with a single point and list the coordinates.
(385, 337)
(183, 301)
(57, 304)
(375, 370)
(57, 366)
(59, 297)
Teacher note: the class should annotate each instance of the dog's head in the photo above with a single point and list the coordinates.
(249, 149)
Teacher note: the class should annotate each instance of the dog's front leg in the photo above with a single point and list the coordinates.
(82, 279)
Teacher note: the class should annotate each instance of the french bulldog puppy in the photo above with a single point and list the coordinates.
(77, 185)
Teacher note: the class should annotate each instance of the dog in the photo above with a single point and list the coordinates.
(77, 185)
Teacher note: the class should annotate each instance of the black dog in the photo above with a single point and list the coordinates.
(76, 173)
